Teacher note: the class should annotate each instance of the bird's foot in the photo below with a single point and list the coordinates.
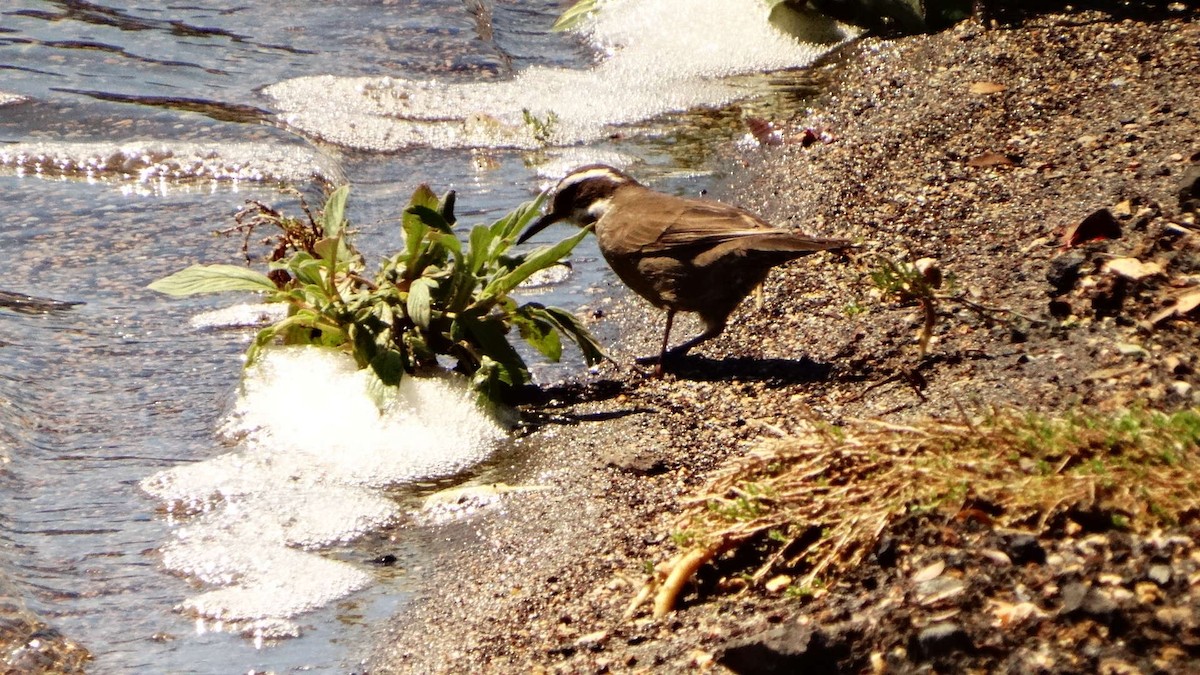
(661, 362)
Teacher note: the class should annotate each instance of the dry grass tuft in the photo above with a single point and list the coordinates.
(802, 509)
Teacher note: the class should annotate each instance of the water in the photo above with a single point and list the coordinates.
(134, 472)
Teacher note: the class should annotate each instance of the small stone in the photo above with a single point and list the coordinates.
(939, 589)
(1064, 271)
(999, 557)
(942, 638)
(1024, 548)
(778, 584)
(593, 641)
(1072, 597)
(1175, 618)
(1130, 349)
(1147, 592)
(1159, 574)
(1112, 666)
(1189, 188)
(1132, 268)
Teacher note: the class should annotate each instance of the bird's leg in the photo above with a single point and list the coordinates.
(712, 328)
(662, 354)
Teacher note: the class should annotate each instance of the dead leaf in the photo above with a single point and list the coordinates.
(928, 572)
(1099, 225)
(1188, 302)
(987, 87)
(990, 158)
(1183, 305)
(1132, 268)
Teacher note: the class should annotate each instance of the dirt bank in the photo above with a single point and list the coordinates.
(979, 149)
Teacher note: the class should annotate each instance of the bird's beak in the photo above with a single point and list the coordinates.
(539, 225)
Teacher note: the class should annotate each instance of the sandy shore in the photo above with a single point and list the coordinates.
(978, 148)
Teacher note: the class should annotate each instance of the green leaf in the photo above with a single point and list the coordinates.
(535, 261)
(388, 366)
(540, 333)
(574, 15)
(479, 246)
(489, 335)
(307, 269)
(446, 207)
(429, 217)
(335, 211)
(423, 196)
(508, 227)
(213, 279)
(334, 252)
(419, 301)
(573, 328)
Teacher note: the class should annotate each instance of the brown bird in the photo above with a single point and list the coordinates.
(683, 255)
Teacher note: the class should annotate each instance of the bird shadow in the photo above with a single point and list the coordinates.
(773, 372)
(553, 405)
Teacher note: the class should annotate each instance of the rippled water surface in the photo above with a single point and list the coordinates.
(129, 132)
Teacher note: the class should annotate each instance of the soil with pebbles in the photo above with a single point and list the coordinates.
(981, 149)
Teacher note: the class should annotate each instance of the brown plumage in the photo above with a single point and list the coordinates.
(683, 255)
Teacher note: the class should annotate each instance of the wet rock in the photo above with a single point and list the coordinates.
(941, 638)
(791, 648)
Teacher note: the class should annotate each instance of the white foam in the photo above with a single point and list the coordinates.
(663, 55)
(155, 162)
(241, 315)
(314, 447)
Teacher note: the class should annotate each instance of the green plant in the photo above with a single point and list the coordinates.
(437, 296)
(542, 128)
(919, 282)
(574, 16)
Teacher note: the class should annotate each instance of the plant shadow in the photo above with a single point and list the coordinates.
(773, 372)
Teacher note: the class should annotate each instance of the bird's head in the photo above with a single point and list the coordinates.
(582, 197)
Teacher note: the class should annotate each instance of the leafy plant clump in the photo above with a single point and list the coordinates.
(437, 296)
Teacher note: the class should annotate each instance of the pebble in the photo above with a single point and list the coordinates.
(943, 638)
(1159, 574)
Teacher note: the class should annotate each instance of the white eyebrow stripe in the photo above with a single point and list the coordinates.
(599, 172)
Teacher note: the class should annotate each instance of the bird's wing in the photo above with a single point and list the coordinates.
(667, 223)
(701, 230)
